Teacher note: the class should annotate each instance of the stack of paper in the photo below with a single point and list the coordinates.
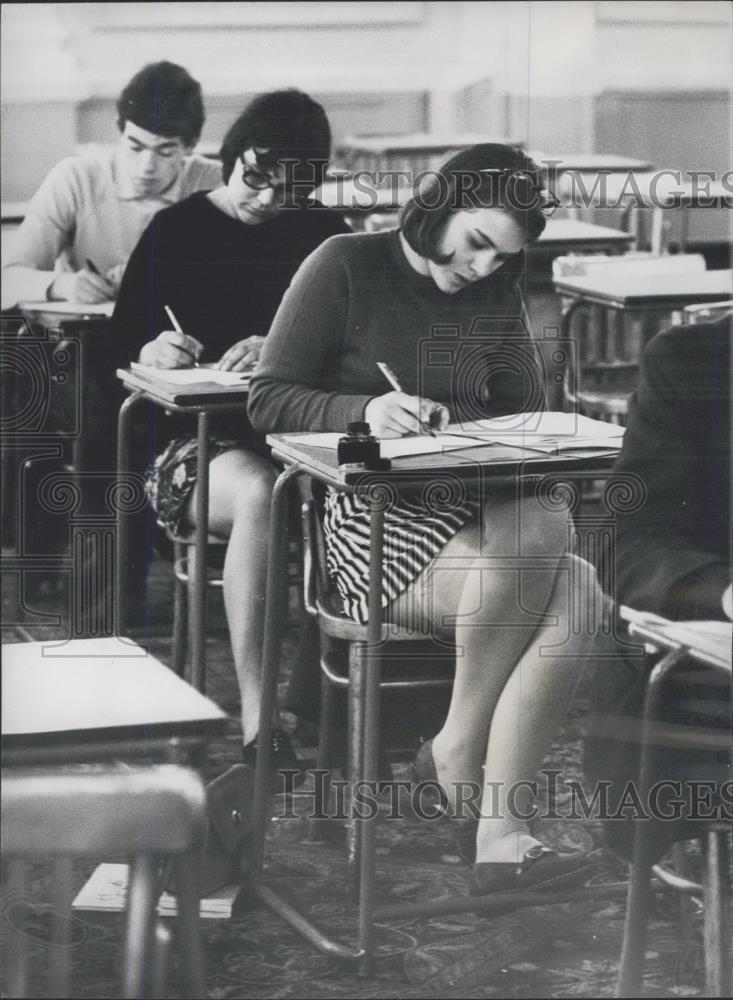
(106, 892)
(543, 431)
(69, 308)
(546, 432)
(192, 376)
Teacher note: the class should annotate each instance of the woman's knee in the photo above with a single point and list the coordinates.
(525, 527)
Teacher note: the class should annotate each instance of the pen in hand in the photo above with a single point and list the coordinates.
(393, 381)
(178, 329)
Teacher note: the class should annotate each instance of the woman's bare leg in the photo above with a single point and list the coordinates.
(508, 696)
(240, 488)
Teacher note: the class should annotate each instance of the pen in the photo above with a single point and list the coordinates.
(91, 266)
(178, 329)
(393, 381)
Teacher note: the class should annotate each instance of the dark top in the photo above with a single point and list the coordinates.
(223, 279)
(673, 550)
(357, 301)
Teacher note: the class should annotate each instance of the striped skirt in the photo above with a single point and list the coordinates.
(416, 527)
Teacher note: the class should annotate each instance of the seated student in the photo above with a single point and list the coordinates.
(88, 214)
(673, 550)
(672, 557)
(221, 261)
(456, 263)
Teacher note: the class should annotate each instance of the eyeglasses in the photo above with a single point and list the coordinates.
(535, 195)
(258, 180)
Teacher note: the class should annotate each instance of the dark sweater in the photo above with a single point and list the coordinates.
(223, 279)
(355, 301)
(673, 551)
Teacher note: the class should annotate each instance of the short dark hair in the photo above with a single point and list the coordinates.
(290, 125)
(489, 175)
(163, 98)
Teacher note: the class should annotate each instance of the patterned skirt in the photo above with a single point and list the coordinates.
(170, 480)
(416, 527)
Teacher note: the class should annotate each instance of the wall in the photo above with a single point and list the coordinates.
(647, 78)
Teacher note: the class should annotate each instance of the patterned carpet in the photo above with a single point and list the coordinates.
(561, 950)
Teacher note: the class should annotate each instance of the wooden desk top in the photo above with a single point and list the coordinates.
(558, 163)
(569, 234)
(57, 693)
(415, 142)
(195, 397)
(649, 290)
(467, 464)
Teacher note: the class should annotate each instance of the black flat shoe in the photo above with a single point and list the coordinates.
(282, 758)
(541, 870)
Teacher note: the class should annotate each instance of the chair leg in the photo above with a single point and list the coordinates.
(191, 617)
(180, 616)
(189, 942)
(324, 760)
(355, 752)
(139, 937)
(716, 913)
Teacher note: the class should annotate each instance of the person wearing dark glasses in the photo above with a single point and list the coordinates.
(221, 261)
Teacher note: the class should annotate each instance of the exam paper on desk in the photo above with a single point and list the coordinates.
(191, 376)
(69, 308)
(547, 432)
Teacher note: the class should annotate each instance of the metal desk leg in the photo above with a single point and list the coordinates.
(198, 582)
(371, 730)
(639, 893)
(276, 573)
(123, 530)
(276, 568)
(716, 913)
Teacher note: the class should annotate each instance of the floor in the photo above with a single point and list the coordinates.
(552, 951)
(561, 950)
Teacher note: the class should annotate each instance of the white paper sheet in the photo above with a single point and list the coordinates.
(70, 308)
(192, 376)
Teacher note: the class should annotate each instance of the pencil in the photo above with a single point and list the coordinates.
(177, 327)
(394, 382)
(91, 266)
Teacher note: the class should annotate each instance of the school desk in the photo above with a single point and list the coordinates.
(414, 151)
(200, 400)
(686, 648)
(470, 466)
(87, 699)
(627, 293)
(56, 395)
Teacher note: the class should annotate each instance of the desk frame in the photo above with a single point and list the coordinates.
(362, 832)
(198, 578)
(718, 975)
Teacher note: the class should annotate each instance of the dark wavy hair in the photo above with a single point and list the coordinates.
(291, 126)
(489, 175)
(165, 99)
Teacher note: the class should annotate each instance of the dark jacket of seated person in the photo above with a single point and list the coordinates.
(672, 557)
(672, 553)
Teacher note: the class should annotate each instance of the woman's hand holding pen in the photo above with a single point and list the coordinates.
(171, 349)
(242, 356)
(396, 414)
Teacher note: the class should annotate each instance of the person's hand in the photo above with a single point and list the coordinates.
(396, 414)
(81, 286)
(171, 349)
(242, 355)
(728, 601)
